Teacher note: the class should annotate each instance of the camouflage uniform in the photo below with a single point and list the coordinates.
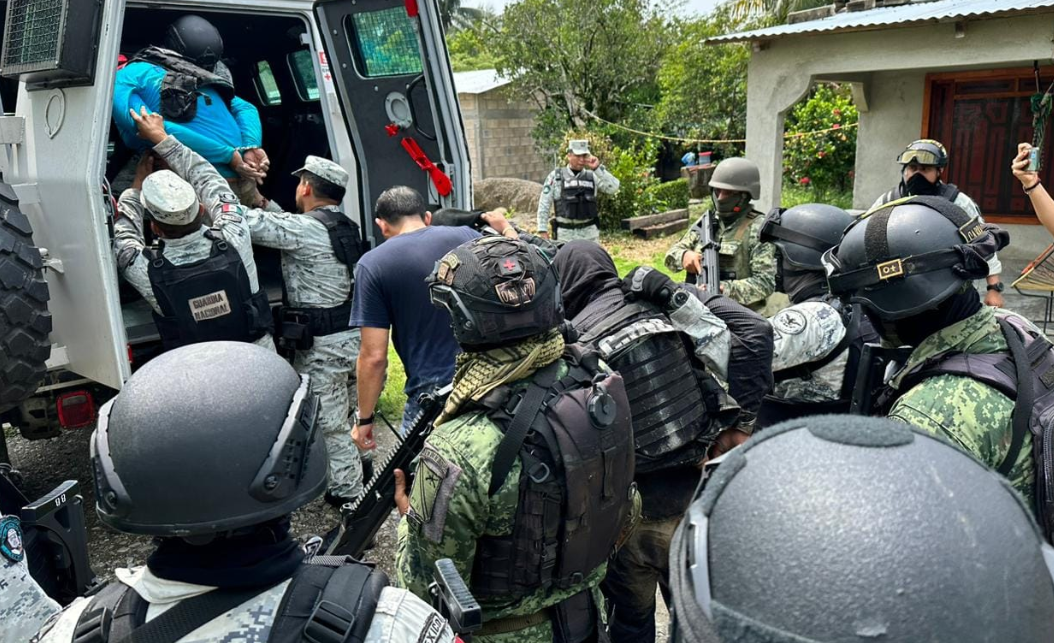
(24, 607)
(450, 508)
(741, 252)
(806, 333)
(969, 414)
(605, 182)
(220, 204)
(400, 616)
(313, 278)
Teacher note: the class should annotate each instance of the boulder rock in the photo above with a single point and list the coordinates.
(517, 195)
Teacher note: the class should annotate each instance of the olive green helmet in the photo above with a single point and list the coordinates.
(739, 175)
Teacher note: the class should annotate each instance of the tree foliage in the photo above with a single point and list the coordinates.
(822, 162)
(776, 10)
(469, 50)
(577, 59)
(704, 87)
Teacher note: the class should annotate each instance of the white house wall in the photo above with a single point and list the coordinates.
(892, 65)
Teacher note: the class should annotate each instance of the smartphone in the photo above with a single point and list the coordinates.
(1034, 164)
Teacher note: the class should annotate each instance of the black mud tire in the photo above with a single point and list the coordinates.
(25, 322)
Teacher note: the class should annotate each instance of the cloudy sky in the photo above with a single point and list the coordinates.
(690, 6)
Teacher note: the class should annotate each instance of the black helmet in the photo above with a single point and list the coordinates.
(205, 439)
(197, 40)
(497, 289)
(846, 528)
(909, 255)
(803, 233)
(924, 151)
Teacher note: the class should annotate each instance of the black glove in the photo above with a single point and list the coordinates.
(647, 283)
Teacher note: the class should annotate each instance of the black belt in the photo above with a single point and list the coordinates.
(323, 321)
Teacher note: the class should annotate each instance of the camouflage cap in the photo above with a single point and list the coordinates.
(578, 146)
(326, 170)
(169, 199)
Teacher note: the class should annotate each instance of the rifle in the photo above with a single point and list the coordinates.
(870, 375)
(453, 600)
(361, 520)
(711, 276)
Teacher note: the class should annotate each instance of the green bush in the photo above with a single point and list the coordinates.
(822, 161)
(672, 195)
(796, 194)
(634, 168)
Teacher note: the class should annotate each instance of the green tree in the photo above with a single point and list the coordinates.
(469, 49)
(776, 10)
(577, 59)
(822, 162)
(453, 15)
(704, 87)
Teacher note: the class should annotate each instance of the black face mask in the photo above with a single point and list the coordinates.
(799, 285)
(919, 185)
(913, 330)
(732, 206)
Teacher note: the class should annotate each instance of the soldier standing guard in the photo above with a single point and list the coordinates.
(572, 192)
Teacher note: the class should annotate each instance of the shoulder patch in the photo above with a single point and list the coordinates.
(432, 490)
(11, 545)
(789, 322)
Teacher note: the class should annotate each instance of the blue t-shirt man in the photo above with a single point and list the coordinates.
(391, 294)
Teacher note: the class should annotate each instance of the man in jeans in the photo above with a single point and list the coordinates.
(391, 296)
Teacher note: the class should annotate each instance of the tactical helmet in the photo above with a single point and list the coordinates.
(207, 438)
(924, 151)
(197, 40)
(496, 290)
(848, 528)
(803, 233)
(738, 175)
(909, 255)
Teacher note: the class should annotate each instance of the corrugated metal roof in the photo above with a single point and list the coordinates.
(481, 81)
(884, 17)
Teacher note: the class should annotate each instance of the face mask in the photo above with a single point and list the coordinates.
(918, 185)
(731, 206)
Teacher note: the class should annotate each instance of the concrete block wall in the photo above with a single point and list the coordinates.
(498, 133)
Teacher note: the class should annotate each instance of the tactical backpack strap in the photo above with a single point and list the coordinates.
(950, 191)
(99, 622)
(1026, 396)
(529, 406)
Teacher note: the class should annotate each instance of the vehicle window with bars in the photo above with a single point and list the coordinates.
(34, 29)
(385, 43)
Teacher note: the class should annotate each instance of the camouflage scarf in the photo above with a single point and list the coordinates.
(480, 373)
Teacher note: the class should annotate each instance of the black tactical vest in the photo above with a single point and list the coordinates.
(858, 333)
(578, 197)
(673, 398)
(299, 326)
(574, 440)
(182, 83)
(1025, 374)
(208, 300)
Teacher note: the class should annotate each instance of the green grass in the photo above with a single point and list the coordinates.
(392, 398)
(630, 252)
(794, 194)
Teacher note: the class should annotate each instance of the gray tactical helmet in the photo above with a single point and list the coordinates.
(206, 439)
(909, 255)
(739, 175)
(846, 528)
(497, 290)
(803, 233)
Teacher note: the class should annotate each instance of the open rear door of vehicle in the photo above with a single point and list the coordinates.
(57, 170)
(389, 61)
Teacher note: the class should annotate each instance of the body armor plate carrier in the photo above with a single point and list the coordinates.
(675, 401)
(207, 300)
(577, 205)
(574, 440)
(1026, 375)
(182, 83)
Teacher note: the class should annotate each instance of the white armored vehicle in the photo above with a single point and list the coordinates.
(364, 82)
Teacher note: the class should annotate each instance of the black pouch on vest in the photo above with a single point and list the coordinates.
(576, 620)
(294, 330)
(179, 97)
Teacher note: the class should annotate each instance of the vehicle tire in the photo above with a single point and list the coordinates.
(25, 322)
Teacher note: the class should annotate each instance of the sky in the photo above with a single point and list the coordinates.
(690, 6)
